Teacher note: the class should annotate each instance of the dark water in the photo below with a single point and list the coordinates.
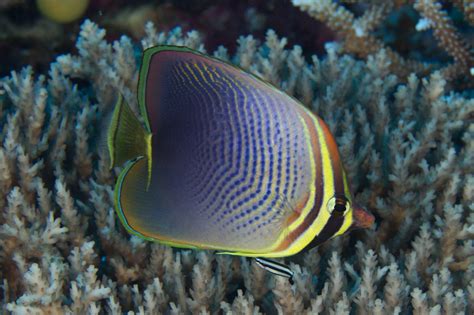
(27, 37)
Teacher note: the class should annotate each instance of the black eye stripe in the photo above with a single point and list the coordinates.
(340, 207)
(340, 204)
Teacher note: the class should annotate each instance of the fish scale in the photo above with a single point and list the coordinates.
(229, 191)
(227, 162)
(207, 149)
(230, 178)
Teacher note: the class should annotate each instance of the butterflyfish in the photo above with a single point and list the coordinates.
(217, 158)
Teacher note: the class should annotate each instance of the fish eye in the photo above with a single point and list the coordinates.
(338, 205)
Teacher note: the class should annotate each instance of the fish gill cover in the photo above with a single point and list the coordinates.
(406, 140)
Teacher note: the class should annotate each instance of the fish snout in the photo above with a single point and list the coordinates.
(362, 219)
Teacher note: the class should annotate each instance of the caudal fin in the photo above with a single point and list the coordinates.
(127, 139)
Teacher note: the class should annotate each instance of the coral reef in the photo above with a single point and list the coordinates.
(407, 143)
(358, 37)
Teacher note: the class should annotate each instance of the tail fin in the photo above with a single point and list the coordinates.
(127, 139)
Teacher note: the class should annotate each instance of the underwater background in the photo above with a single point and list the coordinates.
(392, 79)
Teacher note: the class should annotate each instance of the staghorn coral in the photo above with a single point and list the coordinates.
(407, 144)
(358, 36)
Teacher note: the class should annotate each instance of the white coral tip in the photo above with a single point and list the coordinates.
(423, 24)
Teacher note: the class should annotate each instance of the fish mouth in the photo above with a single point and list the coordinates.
(362, 219)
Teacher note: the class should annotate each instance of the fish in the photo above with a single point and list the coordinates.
(275, 268)
(218, 159)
